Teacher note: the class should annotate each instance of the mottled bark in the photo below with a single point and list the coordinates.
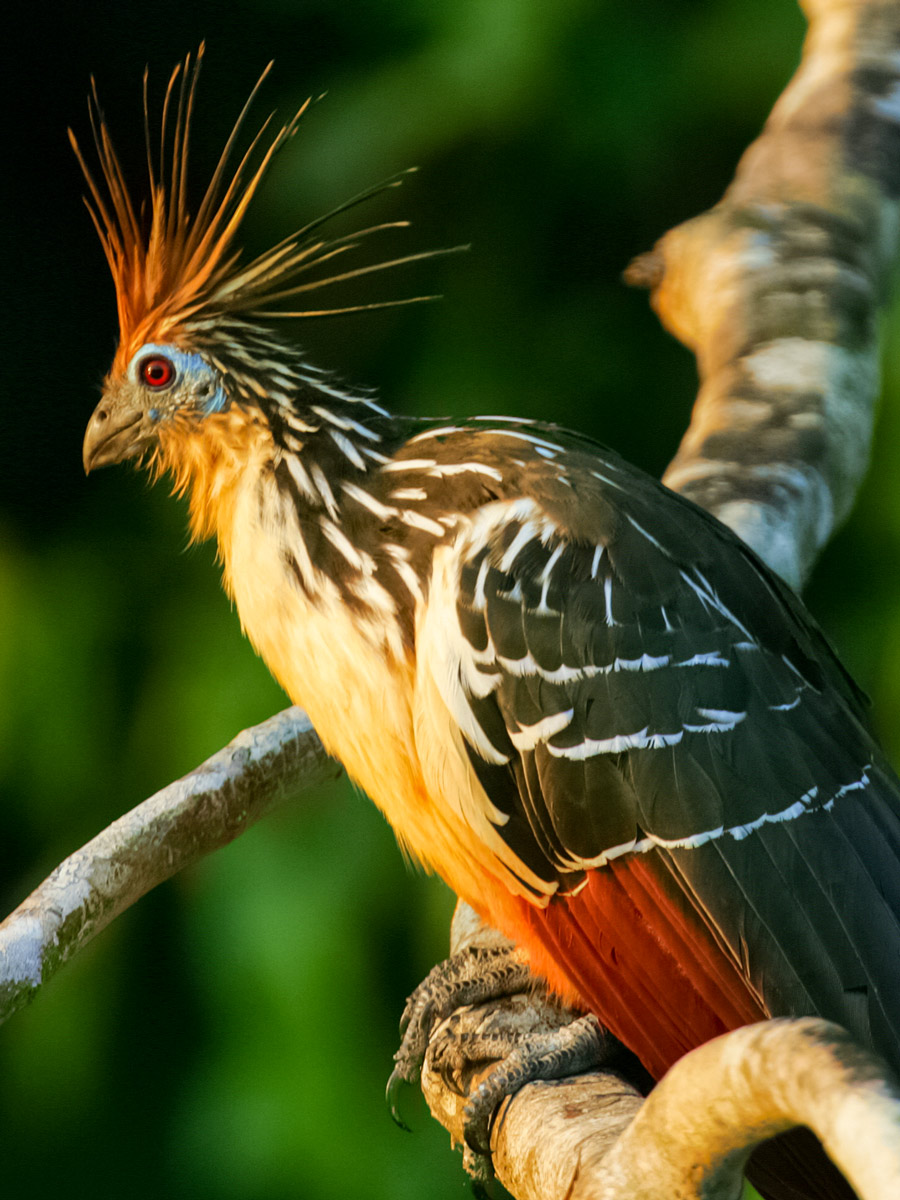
(778, 291)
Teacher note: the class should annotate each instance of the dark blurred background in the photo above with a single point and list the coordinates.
(230, 1036)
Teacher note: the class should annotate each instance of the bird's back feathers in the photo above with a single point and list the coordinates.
(675, 752)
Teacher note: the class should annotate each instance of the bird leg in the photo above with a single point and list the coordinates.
(521, 1034)
(472, 976)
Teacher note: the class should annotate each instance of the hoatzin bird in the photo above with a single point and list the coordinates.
(575, 695)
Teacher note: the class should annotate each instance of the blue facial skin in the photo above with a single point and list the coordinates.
(195, 384)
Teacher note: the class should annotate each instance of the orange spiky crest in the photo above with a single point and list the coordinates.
(181, 269)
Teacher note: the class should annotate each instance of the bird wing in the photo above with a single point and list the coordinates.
(659, 728)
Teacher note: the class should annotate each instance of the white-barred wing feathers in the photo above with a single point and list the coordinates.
(632, 681)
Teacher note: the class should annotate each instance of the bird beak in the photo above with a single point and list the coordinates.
(114, 433)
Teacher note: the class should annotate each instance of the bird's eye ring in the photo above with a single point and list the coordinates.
(157, 372)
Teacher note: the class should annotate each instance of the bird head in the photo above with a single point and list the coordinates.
(197, 350)
(162, 388)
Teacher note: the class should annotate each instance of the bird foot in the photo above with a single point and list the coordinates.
(471, 976)
(520, 1058)
(490, 1054)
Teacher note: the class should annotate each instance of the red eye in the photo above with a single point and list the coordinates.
(157, 372)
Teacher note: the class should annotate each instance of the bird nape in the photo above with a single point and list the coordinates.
(576, 696)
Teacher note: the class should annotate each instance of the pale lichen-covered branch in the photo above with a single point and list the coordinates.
(778, 289)
(190, 818)
(695, 1130)
(592, 1138)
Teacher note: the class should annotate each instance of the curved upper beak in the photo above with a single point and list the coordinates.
(114, 433)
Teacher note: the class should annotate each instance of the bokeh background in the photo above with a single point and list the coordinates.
(229, 1038)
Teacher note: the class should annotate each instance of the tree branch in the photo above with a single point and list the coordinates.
(776, 290)
(592, 1137)
(697, 1127)
(173, 829)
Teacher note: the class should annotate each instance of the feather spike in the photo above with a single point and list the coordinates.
(299, 288)
(337, 312)
(174, 269)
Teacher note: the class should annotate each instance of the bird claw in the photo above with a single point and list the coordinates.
(565, 1044)
(472, 976)
(581, 1045)
(392, 1096)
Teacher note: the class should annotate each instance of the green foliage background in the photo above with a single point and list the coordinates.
(229, 1038)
